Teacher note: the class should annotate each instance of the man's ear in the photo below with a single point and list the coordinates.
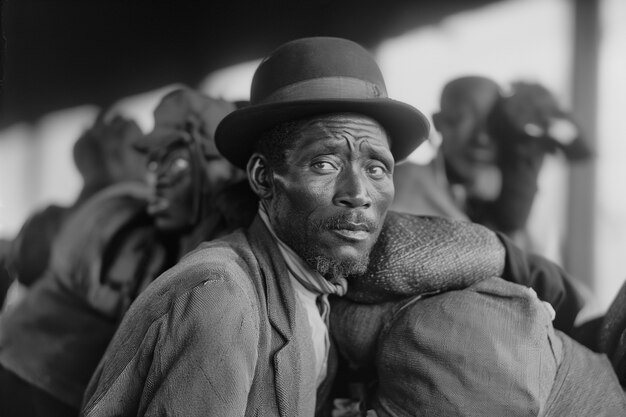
(259, 176)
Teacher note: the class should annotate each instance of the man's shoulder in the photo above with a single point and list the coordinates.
(223, 257)
(226, 265)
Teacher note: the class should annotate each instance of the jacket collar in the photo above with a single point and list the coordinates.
(281, 310)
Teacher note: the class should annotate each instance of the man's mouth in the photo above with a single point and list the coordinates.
(354, 232)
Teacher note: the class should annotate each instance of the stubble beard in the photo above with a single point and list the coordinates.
(332, 268)
(335, 270)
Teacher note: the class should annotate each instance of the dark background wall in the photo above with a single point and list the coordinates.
(57, 54)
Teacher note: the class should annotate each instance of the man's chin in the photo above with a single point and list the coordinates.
(334, 268)
(342, 259)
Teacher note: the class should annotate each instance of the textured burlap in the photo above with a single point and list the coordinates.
(420, 254)
(462, 342)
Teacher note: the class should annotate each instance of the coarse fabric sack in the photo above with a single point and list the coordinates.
(486, 350)
(419, 254)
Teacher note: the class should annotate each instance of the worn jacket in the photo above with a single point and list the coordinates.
(219, 334)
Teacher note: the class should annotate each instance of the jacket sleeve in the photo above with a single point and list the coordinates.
(197, 357)
(549, 280)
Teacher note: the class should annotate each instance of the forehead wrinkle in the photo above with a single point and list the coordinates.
(331, 142)
(356, 133)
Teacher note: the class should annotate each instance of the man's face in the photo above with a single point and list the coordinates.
(329, 202)
(466, 144)
(171, 179)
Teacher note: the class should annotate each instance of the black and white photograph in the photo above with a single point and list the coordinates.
(316, 208)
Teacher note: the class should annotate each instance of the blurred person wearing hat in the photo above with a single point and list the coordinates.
(194, 190)
(240, 325)
(103, 156)
(110, 250)
(494, 145)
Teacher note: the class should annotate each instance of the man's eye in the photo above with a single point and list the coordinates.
(377, 171)
(323, 166)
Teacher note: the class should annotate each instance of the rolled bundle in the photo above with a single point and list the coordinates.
(421, 254)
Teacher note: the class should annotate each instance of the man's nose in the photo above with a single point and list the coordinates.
(352, 189)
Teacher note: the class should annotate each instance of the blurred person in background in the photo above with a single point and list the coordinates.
(421, 188)
(493, 147)
(111, 249)
(102, 157)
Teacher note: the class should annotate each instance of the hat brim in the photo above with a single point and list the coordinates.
(238, 132)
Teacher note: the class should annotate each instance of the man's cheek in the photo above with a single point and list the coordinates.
(309, 194)
(383, 194)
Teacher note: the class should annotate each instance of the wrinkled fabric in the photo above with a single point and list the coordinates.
(489, 349)
(585, 385)
(463, 342)
(549, 280)
(419, 254)
(219, 334)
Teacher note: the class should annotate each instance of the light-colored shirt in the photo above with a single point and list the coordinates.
(319, 330)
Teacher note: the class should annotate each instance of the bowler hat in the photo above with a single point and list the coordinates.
(181, 113)
(314, 76)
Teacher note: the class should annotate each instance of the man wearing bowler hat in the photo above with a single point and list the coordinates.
(238, 327)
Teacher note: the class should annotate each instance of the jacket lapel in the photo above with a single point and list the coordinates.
(281, 310)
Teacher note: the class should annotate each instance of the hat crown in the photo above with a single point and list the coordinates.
(315, 76)
(173, 109)
(185, 105)
(334, 60)
(186, 111)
